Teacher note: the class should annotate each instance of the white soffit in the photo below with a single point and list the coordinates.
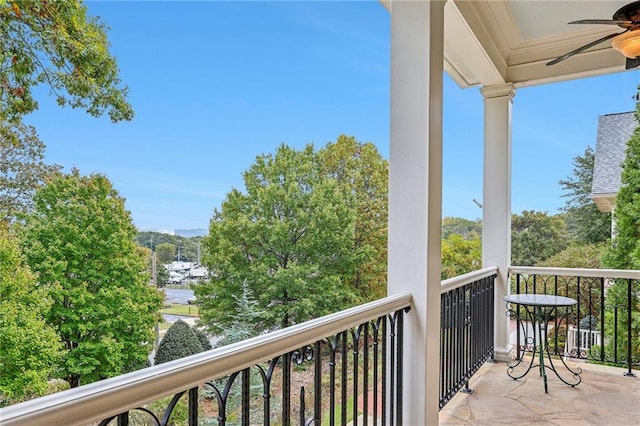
(465, 59)
(494, 41)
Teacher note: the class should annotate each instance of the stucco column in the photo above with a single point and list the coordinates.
(415, 195)
(496, 206)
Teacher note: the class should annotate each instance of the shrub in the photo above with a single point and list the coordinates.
(179, 341)
(202, 337)
(589, 323)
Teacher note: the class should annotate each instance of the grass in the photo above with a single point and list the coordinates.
(185, 310)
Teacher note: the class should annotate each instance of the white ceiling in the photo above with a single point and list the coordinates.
(496, 41)
(541, 19)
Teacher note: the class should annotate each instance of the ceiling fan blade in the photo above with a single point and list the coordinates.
(632, 63)
(603, 21)
(582, 48)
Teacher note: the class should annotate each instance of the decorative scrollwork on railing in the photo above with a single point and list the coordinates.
(301, 355)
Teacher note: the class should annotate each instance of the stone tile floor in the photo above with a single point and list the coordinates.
(605, 397)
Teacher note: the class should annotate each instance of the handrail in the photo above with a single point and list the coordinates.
(577, 272)
(110, 397)
(460, 280)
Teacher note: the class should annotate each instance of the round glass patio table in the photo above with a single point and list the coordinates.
(539, 309)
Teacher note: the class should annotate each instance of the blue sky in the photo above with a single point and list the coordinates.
(214, 84)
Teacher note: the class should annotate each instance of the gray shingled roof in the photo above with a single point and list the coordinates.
(614, 130)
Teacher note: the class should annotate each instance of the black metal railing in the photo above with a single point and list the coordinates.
(600, 327)
(325, 376)
(466, 330)
(345, 367)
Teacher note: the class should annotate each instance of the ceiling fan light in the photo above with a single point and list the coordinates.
(627, 43)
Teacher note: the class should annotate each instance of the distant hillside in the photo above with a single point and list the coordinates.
(180, 247)
(191, 232)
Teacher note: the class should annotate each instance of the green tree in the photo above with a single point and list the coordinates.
(56, 44)
(468, 229)
(247, 321)
(202, 338)
(189, 246)
(585, 223)
(29, 347)
(624, 252)
(179, 341)
(460, 255)
(162, 276)
(22, 169)
(166, 252)
(535, 236)
(80, 239)
(363, 175)
(588, 256)
(290, 236)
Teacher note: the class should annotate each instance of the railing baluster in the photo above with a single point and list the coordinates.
(355, 335)
(365, 378)
(343, 381)
(629, 329)
(466, 329)
(317, 390)
(245, 384)
(193, 407)
(384, 369)
(286, 389)
(399, 375)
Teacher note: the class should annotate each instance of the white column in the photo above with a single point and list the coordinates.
(496, 206)
(415, 195)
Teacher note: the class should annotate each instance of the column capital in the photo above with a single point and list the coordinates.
(498, 91)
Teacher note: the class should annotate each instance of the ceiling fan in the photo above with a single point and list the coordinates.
(626, 42)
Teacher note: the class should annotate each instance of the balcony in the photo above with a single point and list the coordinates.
(605, 397)
(350, 367)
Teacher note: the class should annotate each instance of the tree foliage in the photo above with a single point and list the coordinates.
(166, 252)
(468, 229)
(246, 324)
(29, 347)
(363, 175)
(625, 250)
(167, 246)
(585, 223)
(290, 235)
(22, 169)
(56, 44)
(536, 236)
(588, 256)
(80, 239)
(460, 255)
(179, 341)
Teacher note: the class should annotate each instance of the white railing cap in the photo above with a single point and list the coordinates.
(460, 280)
(106, 398)
(577, 272)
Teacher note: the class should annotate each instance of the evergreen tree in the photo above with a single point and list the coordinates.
(179, 341)
(202, 337)
(625, 249)
(246, 324)
(624, 252)
(585, 223)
